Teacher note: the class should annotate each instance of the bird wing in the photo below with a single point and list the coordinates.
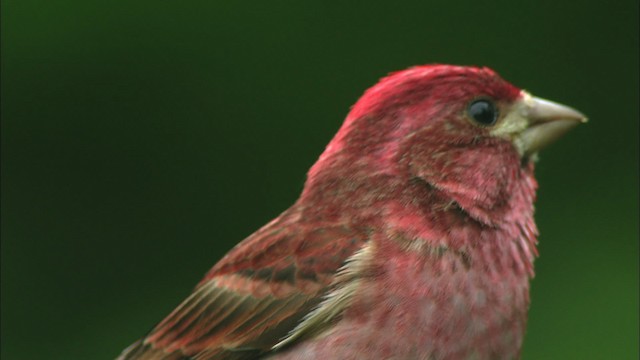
(254, 296)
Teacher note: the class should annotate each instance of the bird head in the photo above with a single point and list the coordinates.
(462, 130)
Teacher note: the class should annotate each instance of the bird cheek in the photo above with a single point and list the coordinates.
(427, 153)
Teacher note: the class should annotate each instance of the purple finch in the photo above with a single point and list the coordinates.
(413, 237)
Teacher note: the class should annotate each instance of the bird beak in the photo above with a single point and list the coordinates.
(547, 122)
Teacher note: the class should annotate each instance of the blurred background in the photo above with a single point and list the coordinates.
(141, 140)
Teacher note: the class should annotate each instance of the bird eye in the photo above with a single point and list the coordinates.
(483, 111)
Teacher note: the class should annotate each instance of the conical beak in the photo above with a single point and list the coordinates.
(548, 121)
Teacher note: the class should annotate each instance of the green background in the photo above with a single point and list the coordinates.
(142, 139)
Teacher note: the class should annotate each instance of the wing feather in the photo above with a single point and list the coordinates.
(254, 296)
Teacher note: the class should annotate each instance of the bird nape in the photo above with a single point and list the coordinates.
(413, 237)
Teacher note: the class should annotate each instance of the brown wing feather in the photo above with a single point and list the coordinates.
(254, 296)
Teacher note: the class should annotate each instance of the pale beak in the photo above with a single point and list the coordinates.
(548, 121)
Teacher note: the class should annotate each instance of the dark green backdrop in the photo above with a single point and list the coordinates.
(142, 139)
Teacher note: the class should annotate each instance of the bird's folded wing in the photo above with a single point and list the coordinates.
(253, 297)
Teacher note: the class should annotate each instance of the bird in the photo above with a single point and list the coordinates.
(413, 237)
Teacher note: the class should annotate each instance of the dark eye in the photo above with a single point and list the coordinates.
(483, 111)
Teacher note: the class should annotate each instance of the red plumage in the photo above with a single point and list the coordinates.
(413, 237)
